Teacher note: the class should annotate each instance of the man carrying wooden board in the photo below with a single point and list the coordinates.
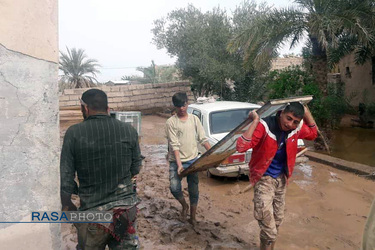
(274, 143)
(184, 131)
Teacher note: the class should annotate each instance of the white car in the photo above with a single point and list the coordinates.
(218, 119)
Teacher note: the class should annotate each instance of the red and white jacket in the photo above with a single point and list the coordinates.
(264, 145)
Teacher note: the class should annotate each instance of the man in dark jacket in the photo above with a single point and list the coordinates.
(274, 143)
(105, 154)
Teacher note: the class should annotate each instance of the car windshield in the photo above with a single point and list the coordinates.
(225, 121)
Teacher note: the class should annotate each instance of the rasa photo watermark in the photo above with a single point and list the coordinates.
(72, 217)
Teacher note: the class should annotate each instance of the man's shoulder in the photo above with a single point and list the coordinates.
(269, 119)
(193, 117)
(124, 125)
(171, 120)
(75, 127)
(73, 131)
(270, 122)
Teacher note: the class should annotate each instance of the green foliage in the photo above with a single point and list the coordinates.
(199, 41)
(251, 88)
(155, 74)
(168, 74)
(79, 71)
(288, 82)
(371, 109)
(334, 105)
(368, 107)
(334, 29)
(293, 81)
(149, 73)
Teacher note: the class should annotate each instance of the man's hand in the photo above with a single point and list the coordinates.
(72, 207)
(178, 161)
(253, 115)
(66, 203)
(180, 169)
(207, 145)
(308, 118)
(307, 110)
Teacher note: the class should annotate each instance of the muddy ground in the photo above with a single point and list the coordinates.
(325, 208)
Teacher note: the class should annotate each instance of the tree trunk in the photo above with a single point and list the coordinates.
(319, 65)
(319, 69)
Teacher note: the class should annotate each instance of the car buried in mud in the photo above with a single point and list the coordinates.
(218, 118)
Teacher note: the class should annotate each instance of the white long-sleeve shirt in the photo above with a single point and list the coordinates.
(184, 136)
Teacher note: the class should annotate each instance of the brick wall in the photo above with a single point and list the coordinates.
(284, 62)
(147, 98)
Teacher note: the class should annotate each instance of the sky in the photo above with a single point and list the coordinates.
(117, 33)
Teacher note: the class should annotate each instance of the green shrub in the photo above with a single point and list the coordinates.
(288, 82)
(371, 109)
(294, 81)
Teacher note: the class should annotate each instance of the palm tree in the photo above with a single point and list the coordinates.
(149, 73)
(330, 25)
(77, 69)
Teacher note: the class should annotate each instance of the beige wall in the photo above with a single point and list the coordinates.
(147, 98)
(359, 83)
(284, 62)
(30, 27)
(29, 134)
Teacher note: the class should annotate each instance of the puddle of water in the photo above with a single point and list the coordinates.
(303, 183)
(305, 172)
(305, 169)
(354, 144)
(334, 177)
(155, 154)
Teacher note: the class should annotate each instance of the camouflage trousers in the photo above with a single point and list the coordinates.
(269, 206)
(95, 236)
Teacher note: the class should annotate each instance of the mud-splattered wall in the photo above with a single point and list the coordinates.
(359, 80)
(29, 134)
(147, 98)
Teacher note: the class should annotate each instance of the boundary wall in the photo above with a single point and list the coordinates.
(147, 98)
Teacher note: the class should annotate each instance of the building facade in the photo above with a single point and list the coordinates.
(29, 134)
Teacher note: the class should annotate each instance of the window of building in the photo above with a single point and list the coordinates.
(348, 74)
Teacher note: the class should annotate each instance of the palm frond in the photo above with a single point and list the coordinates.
(267, 33)
(76, 68)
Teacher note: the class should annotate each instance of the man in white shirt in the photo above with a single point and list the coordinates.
(184, 131)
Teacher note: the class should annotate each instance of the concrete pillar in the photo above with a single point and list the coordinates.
(29, 124)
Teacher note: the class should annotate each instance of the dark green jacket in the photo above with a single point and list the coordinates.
(105, 154)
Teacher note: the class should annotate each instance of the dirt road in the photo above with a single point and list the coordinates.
(326, 208)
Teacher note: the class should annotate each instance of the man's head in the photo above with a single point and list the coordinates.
(94, 101)
(291, 116)
(180, 101)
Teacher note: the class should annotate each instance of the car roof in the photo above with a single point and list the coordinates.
(223, 105)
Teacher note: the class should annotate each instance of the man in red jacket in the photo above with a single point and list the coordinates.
(274, 143)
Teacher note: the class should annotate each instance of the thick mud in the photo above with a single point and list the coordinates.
(325, 208)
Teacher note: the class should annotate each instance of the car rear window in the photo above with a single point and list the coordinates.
(225, 121)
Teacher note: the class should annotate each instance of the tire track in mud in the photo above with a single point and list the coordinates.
(159, 226)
